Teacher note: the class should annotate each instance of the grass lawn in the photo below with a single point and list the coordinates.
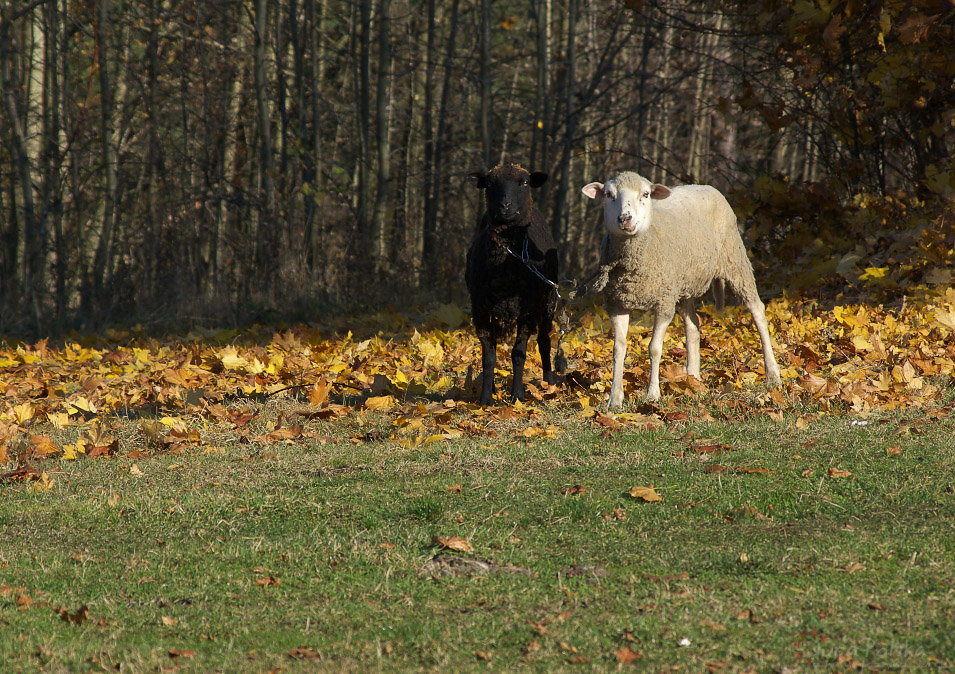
(816, 543)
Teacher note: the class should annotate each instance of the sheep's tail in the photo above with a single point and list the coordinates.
(719, 294)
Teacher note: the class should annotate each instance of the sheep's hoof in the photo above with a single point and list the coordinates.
(615, 402)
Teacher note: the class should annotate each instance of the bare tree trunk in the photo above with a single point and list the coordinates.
(540, 91)
(408, 221)
(264, 239)
(315, 17)
(228, 177)
(702, 120)
(506, 117)
(543, 126)
(363, 82)
(154, 155)
(69, 245)
(18, 227)
(484, 119)
(646, 43)
(559, 223)
(663, 109)
(54, 142)
(107, 218)
(432, 231)
(37, 126)
(430, 206)
(379, 234)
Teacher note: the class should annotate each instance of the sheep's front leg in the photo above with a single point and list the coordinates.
(691, 326)
(518, 357)
(543, 346)
(661, 321)
(758, 311)
(488, 360)
(621, 325)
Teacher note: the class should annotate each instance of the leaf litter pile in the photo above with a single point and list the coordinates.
(204, 390)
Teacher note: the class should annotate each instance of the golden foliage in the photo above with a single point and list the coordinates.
(843, 358)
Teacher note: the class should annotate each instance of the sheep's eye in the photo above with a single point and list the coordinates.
(524, 182)
(646, 194)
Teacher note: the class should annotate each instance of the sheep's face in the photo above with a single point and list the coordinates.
(507, 191)
(628, 202)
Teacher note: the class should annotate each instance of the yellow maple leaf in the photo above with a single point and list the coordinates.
(231, 360)
(318, 392)
(23, 412)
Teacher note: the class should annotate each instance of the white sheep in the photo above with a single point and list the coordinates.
(663, 248)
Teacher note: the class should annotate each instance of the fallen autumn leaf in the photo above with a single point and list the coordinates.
(648, 494)
(452, 543)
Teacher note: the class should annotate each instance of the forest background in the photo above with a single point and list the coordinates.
(167, 162)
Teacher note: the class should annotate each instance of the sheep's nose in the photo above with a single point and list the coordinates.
(624, 218)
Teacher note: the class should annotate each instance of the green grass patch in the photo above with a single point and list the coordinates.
(819, 546)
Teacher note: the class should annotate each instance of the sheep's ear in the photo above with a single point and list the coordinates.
(479, 180)
(659, 192)
(538, 179)
(593, 190)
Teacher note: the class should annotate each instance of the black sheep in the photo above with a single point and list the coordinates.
(504, 291)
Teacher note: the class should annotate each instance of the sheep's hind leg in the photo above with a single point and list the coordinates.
(758, 311)
(518, 357)
(621, 325)
(745, 289)
(691, 326)
(488, 360)
(661, 321)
